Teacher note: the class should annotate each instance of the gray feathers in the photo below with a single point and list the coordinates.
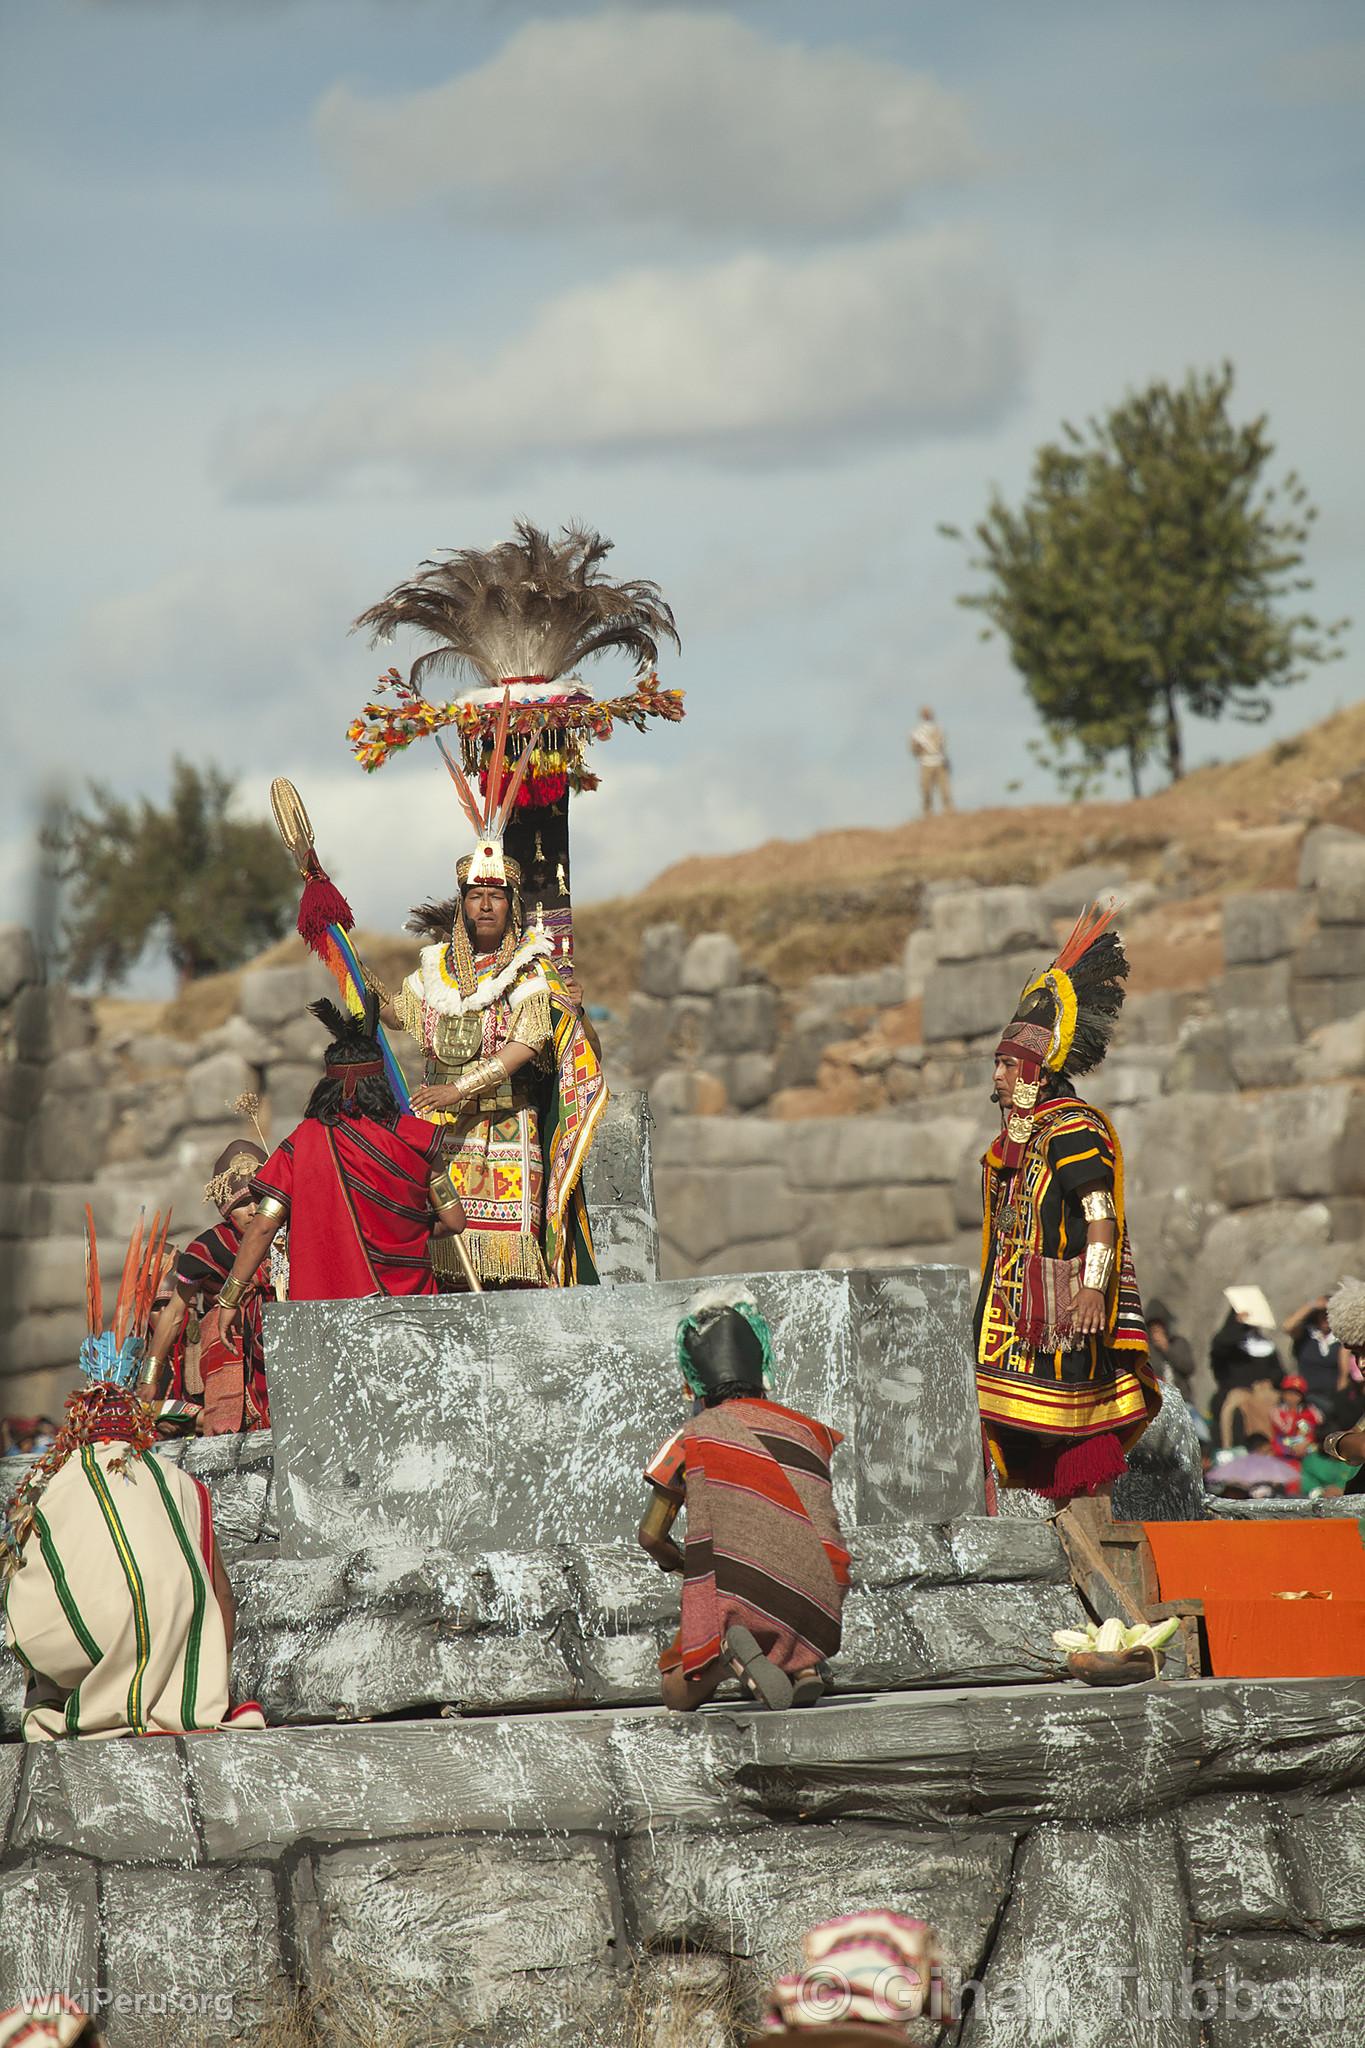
(529, 607)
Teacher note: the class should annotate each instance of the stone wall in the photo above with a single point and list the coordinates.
(844, 1128)
(502, 1843)
(1089, 1857)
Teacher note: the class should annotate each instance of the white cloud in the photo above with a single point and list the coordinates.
(676, 118)
(391, 838)
(755, 360)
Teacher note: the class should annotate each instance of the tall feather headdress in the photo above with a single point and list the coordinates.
(529, 609)
(1066, 1015)
(114, 1355)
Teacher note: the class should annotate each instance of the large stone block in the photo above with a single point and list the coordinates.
(745, 1019)
(67, 1135)
(49, 1020)
(1094, 1922)
(1301, 1142)
(49, 1921)
(1330, 854)
(51, 1275)
(661, 950)
(272, 996)
(868, 1218)
(967, 997)
(1327, 1841)
(918, 963)
(1265, 926)
(979, 924)
(699, 1891)
(1235, 1863)
(1329, 1001)
(200, 1949)
(214, 1085)
(1267, 1993)
(649, 1025)
(134, 1809)
(1335, 1052)
(712, 962)
(1337, 953)
(834, 1153)
(478, 1939)
(704, 1213)
(486, 1422)
(750, 1079)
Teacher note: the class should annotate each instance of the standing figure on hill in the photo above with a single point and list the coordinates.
(1063, 1377)
(233, 1389)
(929, 750)
(765, 1566)
(359, 1183)
(512, 1078)
(117, 1604)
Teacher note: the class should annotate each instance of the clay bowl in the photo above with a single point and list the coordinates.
(1112, 1667)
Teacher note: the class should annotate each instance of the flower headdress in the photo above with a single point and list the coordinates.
(108, 1406)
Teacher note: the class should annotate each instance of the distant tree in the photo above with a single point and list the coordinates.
(215, 889)
(1145, 575)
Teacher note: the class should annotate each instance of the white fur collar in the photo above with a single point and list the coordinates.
(436, 987)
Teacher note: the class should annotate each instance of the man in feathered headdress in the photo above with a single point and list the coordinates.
(234, 1391)
(1063, 1377)
(117, 1605)
(359, 1182)
(766, 1568)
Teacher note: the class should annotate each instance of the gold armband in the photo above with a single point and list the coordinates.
(485, 1079)
(659, 1516)
(444, 1194)
(271, 1205)
(374, 984)
(232, 1292)
(1097, 1206)
(151, 1370)
(1099, 1265)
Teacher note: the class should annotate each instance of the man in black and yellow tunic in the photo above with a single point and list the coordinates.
(1063, 1378)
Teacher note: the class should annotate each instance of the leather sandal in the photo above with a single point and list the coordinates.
(809, 1686)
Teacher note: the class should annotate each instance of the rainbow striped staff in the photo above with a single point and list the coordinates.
(326, 919)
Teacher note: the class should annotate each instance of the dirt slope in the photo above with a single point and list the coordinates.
(843, 901)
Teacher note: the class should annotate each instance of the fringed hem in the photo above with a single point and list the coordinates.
(497, 1256)
(1085, 1467)
(1056, 1470)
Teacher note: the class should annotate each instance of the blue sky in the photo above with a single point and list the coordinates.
(300, 293)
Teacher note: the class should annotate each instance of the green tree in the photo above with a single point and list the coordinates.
(213, 888)
(1150, 572)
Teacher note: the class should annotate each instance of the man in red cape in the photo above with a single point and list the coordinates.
(358, 1181)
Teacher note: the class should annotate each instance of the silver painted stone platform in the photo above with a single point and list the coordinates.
(529, 1879)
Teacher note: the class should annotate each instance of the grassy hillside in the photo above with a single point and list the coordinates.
(843, 901)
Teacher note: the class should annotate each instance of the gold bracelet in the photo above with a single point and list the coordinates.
(232, 1292)
(1099, 1265)
(1332, 1446)
(484, 1079)
(444, 1194)
(151, 1370)
(1097, 1206)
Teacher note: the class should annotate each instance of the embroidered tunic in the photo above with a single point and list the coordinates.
(1102, 1386)
(493, 1144)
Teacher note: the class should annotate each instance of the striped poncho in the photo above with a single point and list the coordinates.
(112, 1609)
(764, 1549)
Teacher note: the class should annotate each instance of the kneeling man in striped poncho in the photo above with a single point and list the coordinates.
(117, 1604)
(765, 1569)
